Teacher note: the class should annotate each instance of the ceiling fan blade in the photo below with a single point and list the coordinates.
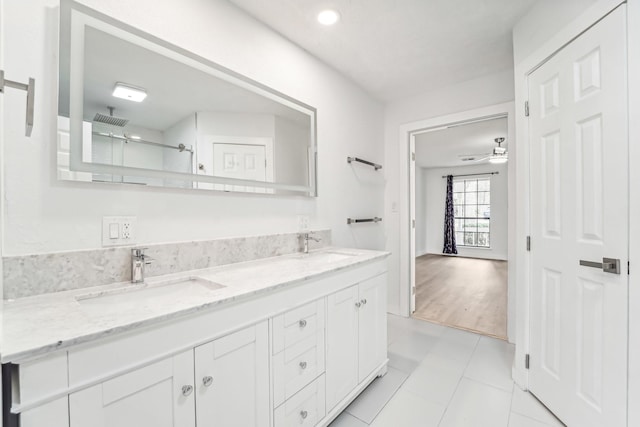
(474, 155)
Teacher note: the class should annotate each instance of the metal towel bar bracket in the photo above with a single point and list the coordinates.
(366, 162)
(31, 92)
(357, 221)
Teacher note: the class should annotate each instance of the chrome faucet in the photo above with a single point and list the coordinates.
(305, 241)
(138, 262)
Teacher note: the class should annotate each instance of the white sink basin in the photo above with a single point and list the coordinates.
(153, 292)
(326, 256)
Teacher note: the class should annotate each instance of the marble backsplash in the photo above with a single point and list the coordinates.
(29, 275)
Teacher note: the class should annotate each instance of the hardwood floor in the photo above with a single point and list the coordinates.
(465, 293)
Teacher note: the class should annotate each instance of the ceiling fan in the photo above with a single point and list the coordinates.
(498, 155)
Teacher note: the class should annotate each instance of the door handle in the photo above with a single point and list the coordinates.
(608, 265)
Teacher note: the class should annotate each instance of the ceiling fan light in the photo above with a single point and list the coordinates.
(496, 160)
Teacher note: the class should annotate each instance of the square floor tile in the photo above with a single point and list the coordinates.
(413, 345)
(347, 420)
(517, 420)
(524, 403)
(491, 363)
(409, 410)
(459, 348)
(477, 405)
(401, 363)
(371, 401)
(436, 378)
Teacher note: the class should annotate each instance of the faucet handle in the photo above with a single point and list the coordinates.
(138, 252)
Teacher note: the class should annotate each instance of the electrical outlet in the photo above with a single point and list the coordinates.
(118, 230)
(126, 230)
(303, 223)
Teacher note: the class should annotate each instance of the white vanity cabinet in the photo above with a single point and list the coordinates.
(294, 356)
(356, 336)
(159, 395)
(230, 387)
(232, 379)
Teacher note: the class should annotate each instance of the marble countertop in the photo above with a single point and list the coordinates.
(40, 324)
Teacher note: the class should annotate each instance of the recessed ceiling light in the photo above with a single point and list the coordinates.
(328, 17)
(132, 93)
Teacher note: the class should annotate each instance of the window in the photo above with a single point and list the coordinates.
(472, 212)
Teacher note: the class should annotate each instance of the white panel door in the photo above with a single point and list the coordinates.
(342, 344)
(372, 322)
(579, 211)
(232, 379)
(158, 395)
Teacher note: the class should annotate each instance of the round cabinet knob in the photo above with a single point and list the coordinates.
(304, 414)
(207, 381)
(363, 301)
(303, 365)
(187, 390)
(358, 304)
(302, 323)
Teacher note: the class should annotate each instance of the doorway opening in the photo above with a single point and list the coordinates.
(461, 225)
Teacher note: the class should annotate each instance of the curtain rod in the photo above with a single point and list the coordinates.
(474, 174)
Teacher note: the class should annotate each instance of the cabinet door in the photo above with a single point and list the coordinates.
(158, 395)
(52, 414)
(232, 379)
(372, 325)
(342, 344)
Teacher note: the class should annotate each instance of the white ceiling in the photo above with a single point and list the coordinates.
(398, 48)
(443, 148)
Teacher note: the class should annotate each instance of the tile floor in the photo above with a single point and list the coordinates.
(446, 377)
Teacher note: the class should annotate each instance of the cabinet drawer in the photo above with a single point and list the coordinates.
(297, 366)
(298, 324)
(306, 408)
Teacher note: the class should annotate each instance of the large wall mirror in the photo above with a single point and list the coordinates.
(136, 109)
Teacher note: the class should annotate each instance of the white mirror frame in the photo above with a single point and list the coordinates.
(74, 17)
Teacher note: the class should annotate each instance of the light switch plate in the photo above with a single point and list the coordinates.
(118, 230)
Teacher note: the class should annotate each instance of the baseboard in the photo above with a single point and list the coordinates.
(464, 256)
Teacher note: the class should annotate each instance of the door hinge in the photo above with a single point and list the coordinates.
(526, 108)
(413, 223)
(526, 361)
(529, 243)
(628, 268)
(413, 157)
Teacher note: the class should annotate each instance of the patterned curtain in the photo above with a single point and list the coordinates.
(449, 221)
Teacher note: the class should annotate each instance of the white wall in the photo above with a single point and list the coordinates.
(489, 90)
(235, 124)
(42, 214)
(291, 151)
(542, 21)
(432, 217)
